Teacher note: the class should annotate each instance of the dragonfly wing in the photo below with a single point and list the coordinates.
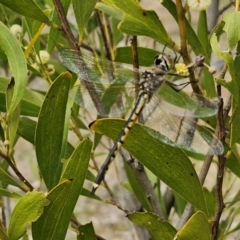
(116, 101)
(109, 79)
(96, 70)
(185, 104)
(181, 130)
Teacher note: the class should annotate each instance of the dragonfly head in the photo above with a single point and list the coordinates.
(164, 62)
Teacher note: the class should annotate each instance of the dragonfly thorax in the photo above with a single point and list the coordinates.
(151, 81)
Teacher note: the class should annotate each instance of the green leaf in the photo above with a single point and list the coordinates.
(197, 228)
(54, 222)
(224, 55)
(12, 119)
(202, 32)
(3, 234)
(50, 130)
(108, 10)
(83, 10)
(117, 35)
(17, 63)
(192, 38)
(6, 178)
(234, 88)
(54, 34)
(86, 232)
(28, 209)
(157, 228)
(6, 193)
(231, 28)
(235, 128)
(145, 55)
(27, 128)
(45, 227)
(27, 8)
(140, 21)
(233, 164)
(137, 188)
(210, 200)
(30, 103)
(168, 163)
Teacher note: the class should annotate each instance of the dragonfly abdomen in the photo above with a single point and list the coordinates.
(141, 100)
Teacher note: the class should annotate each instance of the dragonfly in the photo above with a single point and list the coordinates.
(113, 90)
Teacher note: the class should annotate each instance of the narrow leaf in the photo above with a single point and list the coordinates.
(13, 118)
(145, 55)
(138, 189)
(157, 228)
(27, 128)
(45, 227)
(27, 8)
(83, 10)
(3, 234)
(140, 21)
(54, 222)
(192, 38)
(6, 193)
(30, 102)
(86, 232)
(6, 178)
(50, 130)
(197, 228)
(54, 34)
(231, 28)
(168, 163)
(17, 63)
(27, 210)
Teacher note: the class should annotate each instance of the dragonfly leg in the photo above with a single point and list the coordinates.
(175, 87)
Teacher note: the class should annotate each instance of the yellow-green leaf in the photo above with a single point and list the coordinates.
(28, 209)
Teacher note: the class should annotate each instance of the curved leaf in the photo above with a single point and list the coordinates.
(45, 227)
(140, 21)
(145, 55)
(193, 40)
(28, 209)
(54, 222)
(86, 232)
(17, 63)
(83, 10)
(157, 228)
(6, 178)
(27, 8)
(197, 227)
(50, 130)
(168, 163)
(231, 28)
(30, 103)
(13, 118)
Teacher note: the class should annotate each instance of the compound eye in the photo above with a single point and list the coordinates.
(157, 60)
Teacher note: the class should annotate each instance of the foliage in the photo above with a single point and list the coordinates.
(32, 35)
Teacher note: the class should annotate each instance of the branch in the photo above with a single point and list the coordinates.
(14, 168)
(220, 172)
(184, 50)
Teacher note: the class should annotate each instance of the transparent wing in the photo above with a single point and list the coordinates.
(115, 100)
(98, 71)
(110, 79)
(115, 84)
(186, 132)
